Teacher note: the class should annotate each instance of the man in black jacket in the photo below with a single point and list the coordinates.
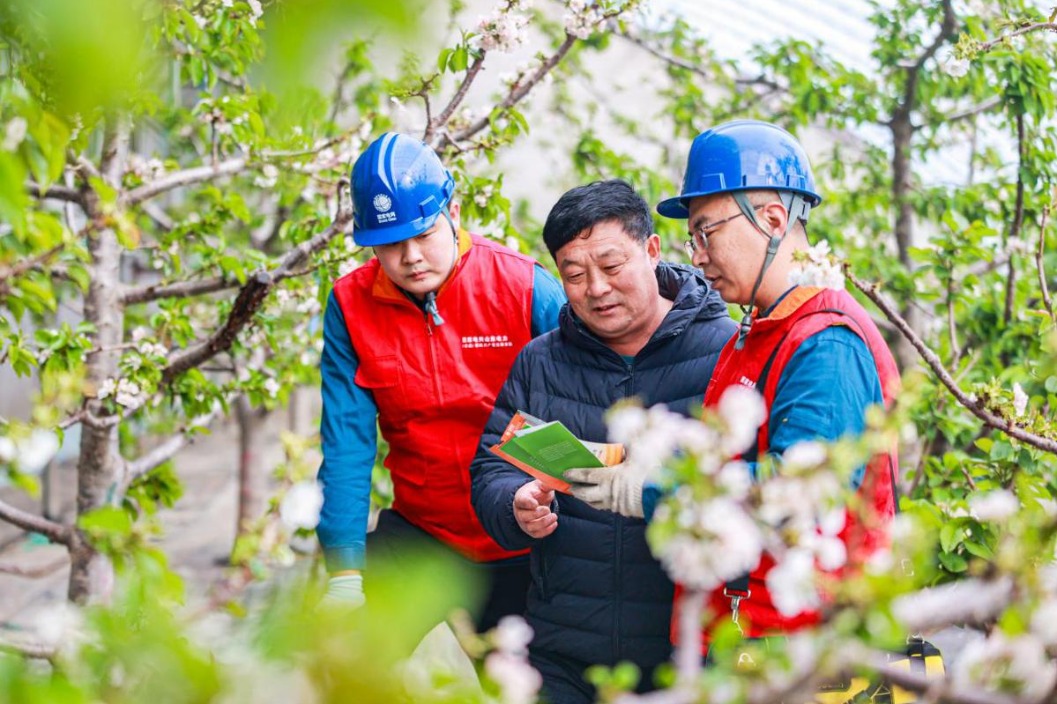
(634, 327)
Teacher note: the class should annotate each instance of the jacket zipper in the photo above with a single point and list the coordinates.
(618, 556)
(434, 372)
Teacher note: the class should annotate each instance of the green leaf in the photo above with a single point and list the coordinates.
(950, 535)
(459, 59)
(980, 550)
(13, 199)
(953, 562)
(106, 521)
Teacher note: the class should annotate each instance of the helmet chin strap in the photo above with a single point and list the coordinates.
(797, 208)
(430, 302)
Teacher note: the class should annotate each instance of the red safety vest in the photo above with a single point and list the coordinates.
(435, 385)
(801, 314)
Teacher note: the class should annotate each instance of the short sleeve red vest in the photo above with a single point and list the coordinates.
(435, 385)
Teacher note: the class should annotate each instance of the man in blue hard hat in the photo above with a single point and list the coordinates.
(813, 352)
(417, 343)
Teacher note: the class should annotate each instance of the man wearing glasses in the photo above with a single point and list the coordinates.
(813, 352)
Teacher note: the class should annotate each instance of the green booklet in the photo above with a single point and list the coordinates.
(546, 449)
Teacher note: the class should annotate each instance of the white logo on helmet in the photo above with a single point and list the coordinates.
(382, 203)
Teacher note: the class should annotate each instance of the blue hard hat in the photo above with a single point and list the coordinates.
(739, 156)
(399, 188)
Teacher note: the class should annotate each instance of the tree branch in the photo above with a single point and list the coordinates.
(973, 110)
(179, 289)
(24, 266)
(871, 291)
(185, 177)
(252, 294)
(520, 90)
(55, 532)
(159, 216)
(70, 195)
(1039, 250)
(1018, 220)
(38, 651)
(33, 572)
(1039, 26)
(442, 118)
(166, 450)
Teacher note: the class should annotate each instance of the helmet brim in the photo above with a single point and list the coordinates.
(675, 207)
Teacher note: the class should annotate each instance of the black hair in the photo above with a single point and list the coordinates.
(583, 207)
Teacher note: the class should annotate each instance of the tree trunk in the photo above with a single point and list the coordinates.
(251, 477)
(91, 575)
(902, 132)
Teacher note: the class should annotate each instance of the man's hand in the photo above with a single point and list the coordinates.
(344, 590)
(617, 488)
(532, 510)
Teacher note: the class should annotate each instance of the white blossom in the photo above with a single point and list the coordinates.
(300, 506)
(153, 349)
(255, 9)
(994, 505)
(719, 542)
(512, 635)
(503, 30)
(14, 133)
(7, 450)
(582, 18)
(820, 269)
(799, 502)
(32, 454)
(829, 551)
(128, 393)
(1044, 622)
(744, 411)
(736, 479)
(1019, 666)
(61, 626)
(272, 387)
(805, 454)
(1020, 400)
(519, 682)
(791, 583)
(483, 196)
(626, 422)
(954, 66)
(106, 388)
(268, 176)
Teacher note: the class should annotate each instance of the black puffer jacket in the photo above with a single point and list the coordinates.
(597, 594)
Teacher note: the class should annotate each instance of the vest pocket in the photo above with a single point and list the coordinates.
(381, 376)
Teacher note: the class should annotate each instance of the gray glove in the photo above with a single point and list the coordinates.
(617, 488)
(345, 591)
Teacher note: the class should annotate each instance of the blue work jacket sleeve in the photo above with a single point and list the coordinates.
(548, 297)
(824, 392)
(349, 442)
(493, 481)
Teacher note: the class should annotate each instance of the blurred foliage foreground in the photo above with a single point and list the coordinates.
(174, 211)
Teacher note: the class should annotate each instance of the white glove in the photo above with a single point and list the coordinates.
(617, 488)
(345, 591)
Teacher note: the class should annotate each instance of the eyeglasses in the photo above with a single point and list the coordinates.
(699, 237)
